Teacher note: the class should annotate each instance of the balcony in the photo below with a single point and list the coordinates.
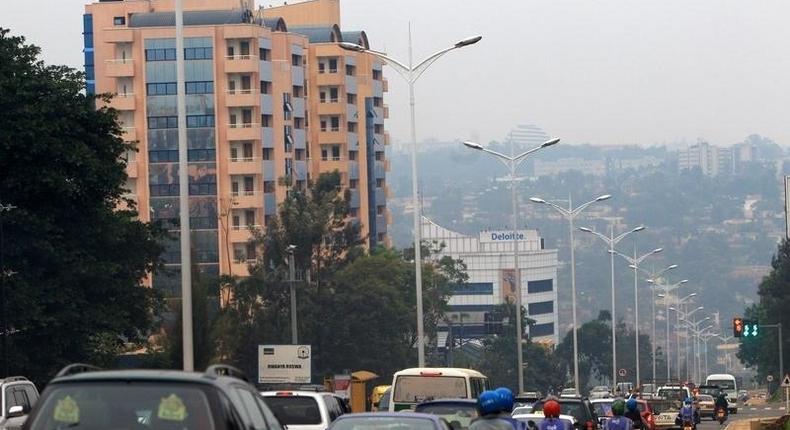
(332, 135)
(120, 68)
(241, 64)
(124, 102)
(131, 169)
(241, 233)
(242, 98)
(330, 79)
(329, 106)
(119, 35)
(332, 164)
(244, 131)
(246, 199)
(239, 31)
(245, 166)
(129, 134)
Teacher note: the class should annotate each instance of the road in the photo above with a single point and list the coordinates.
(745, 413)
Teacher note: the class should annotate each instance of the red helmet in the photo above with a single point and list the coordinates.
(551, 409)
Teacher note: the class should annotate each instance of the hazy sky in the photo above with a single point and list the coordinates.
(597, 71)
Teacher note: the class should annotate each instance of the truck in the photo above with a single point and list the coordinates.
(667, 403)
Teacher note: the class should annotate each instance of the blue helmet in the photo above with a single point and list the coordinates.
(631, 404)
(688, 401)
(488, 402)
(506, 399)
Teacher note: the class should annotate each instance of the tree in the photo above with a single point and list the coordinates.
(76, 294)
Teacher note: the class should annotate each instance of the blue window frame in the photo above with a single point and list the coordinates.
(193, 121)
(171, 155)
(198, 54)
(160, 54)
(541, 308)
(541, 330)
(473, 289)
(542, 286)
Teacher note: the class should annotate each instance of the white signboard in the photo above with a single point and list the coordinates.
(280, 364)
(787, 206)
(503, 236)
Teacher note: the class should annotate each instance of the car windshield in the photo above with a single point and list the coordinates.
(672, 393)
(382, 423)
(723, 384)
(458, 415)
(575, 409)
(603, 409)
(125, 405)
(411, 389)
(294, 410)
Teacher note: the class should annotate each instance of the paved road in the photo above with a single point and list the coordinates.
(745, 413)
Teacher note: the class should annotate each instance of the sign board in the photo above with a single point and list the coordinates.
(506, 236)
(622, 373)
(342, 386)
(282, 364)
(786, 381)
(769, 378)
(787, 206)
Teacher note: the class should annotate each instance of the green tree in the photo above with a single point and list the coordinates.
(76, 294)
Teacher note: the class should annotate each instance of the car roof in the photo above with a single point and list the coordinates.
(541, 416)
(175, 376)
(470, 402)
(433, 418)
(294, 393)
(445, 371)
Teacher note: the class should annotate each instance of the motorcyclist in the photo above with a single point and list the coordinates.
(632, 413)
(721, 403)
(618, 421)
(551, 412)
(687, 414)
(506, 401)
(489, 405)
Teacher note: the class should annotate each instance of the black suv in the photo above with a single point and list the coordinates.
(578, 407)
(83, 397)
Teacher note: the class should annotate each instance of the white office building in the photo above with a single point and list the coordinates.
(489, 260)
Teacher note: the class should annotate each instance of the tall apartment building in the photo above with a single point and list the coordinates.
(272, 102)
(711, 159)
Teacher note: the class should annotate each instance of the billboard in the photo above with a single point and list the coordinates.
(282, 364)
(507, 284)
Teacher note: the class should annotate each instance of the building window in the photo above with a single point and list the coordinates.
(296, 60)
(298, 123)
(333, 65)
(330, 152)
(472, 289)
(378, 129)
(378, 102)
(166, 54)
(351, 127)
(380, 210)
(268, 153)
(119, 20)
(249, 218)
(287, 107)
(334, 122)
(289, 139)
(251, 252)
(351, 70)
(353, 183)
(352, 155)
(541, 330)
(266, 87)
(289, 166)
(265, 54)
(379, 155)
(541, 308)
(299, 154)
(381, 237)
(379, 183)
(351, 98)
(297, 91)
(542, 286)
(198, 54)
(268, 186)
(353, 213)
(266, 120)
(377, 75)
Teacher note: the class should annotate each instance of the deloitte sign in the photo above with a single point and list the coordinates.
(502, 236)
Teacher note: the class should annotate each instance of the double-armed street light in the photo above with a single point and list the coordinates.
(667, 288)
(570, 213)
(512, 162)
(411, 73)
(633, 263)
(650, 280)
(611, 241)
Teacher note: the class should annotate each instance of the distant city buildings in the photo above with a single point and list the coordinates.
(489, 260)
(710, 159)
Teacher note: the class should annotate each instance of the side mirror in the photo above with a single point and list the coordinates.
(15, 411)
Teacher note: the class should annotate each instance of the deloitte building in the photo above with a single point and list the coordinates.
(489, 260)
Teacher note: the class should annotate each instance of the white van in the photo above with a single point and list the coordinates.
(729, 385)
(416, 385)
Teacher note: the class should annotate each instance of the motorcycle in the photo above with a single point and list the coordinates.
(721, 415)
(688, 425)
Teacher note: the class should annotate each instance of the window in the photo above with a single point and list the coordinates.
(162, 54)
(296, 60)
(198, 54)
(335, 152)
(268, 186)
(266, 120)
(231, 51)
(353, 213)
(321, 68)
(249, 218)
(299, 154)
(351, 127)
(200, 87)
(380, 210)
(236, 222)
(379, 155)
(244, 47)
(351, 98)
(265, 54)
(541, 308)
(289, 166)
(541, 330)
(353, 183)
(351, 70)
(299, 123)
(245, 84)
(247, 150)
(378, 102)
(543, 286)
(352, 155)
(268, 153)
(335, 123)
(298, 91)
(289, 139)
(377, 74)
(266, 87)
(287, 107)
(249, 185)
(378, 129)
(333, 95)
(333, 65)
(379, 183)
(119, 20)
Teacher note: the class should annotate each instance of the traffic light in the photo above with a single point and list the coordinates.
(751, 328)
(737, 327)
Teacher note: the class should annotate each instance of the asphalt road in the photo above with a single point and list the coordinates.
(745, 413)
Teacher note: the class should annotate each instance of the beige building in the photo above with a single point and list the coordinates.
(272, 102)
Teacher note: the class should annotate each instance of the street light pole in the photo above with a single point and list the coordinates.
(634, 263)
(291, 280)
(656, 282)
(611, 241)
(511, 163)
(411, 73)
(570, 213)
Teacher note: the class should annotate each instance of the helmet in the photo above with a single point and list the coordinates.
(551, 409)
(631, 404)
(488, 402)
(506, 398)
(618, 407)
(688, 401)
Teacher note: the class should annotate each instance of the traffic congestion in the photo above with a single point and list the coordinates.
(224, 398)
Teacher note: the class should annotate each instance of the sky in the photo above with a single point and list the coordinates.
(588, 71)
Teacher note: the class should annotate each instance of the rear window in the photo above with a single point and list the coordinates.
(458, 415)
(574, 409)
(603, 409)
(415, 389)
(125, 405)
(294, 410)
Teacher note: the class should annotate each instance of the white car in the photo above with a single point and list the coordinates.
(600, 392)
(533, 420)
(304, 410)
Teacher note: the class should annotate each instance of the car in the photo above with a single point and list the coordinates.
(19, 397)
(569, 392)
(83, 396)
(527, 399)
(533, 420)
(579, 407)
(706, 405)
(387, 420)
(600, 392)
(384, 401)
(522, 410)
(603, 409)
(304, 410)
(458, 412)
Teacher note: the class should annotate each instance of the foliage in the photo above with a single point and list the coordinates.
(76, 294)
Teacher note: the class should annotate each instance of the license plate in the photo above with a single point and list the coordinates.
(665, 418)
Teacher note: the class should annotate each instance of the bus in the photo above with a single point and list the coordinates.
(729, 385)
(417, 385)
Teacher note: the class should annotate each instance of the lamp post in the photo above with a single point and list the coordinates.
(677, 310)
(667, 288)
(512, 162)
(612, 240)
(634, 263)
(291, 279)
(693, 326)
(705, 337)
(655, 275)
(570, 213)
(411, 73)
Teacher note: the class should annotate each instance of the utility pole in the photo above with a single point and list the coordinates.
(4, 273)
(291, 281)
